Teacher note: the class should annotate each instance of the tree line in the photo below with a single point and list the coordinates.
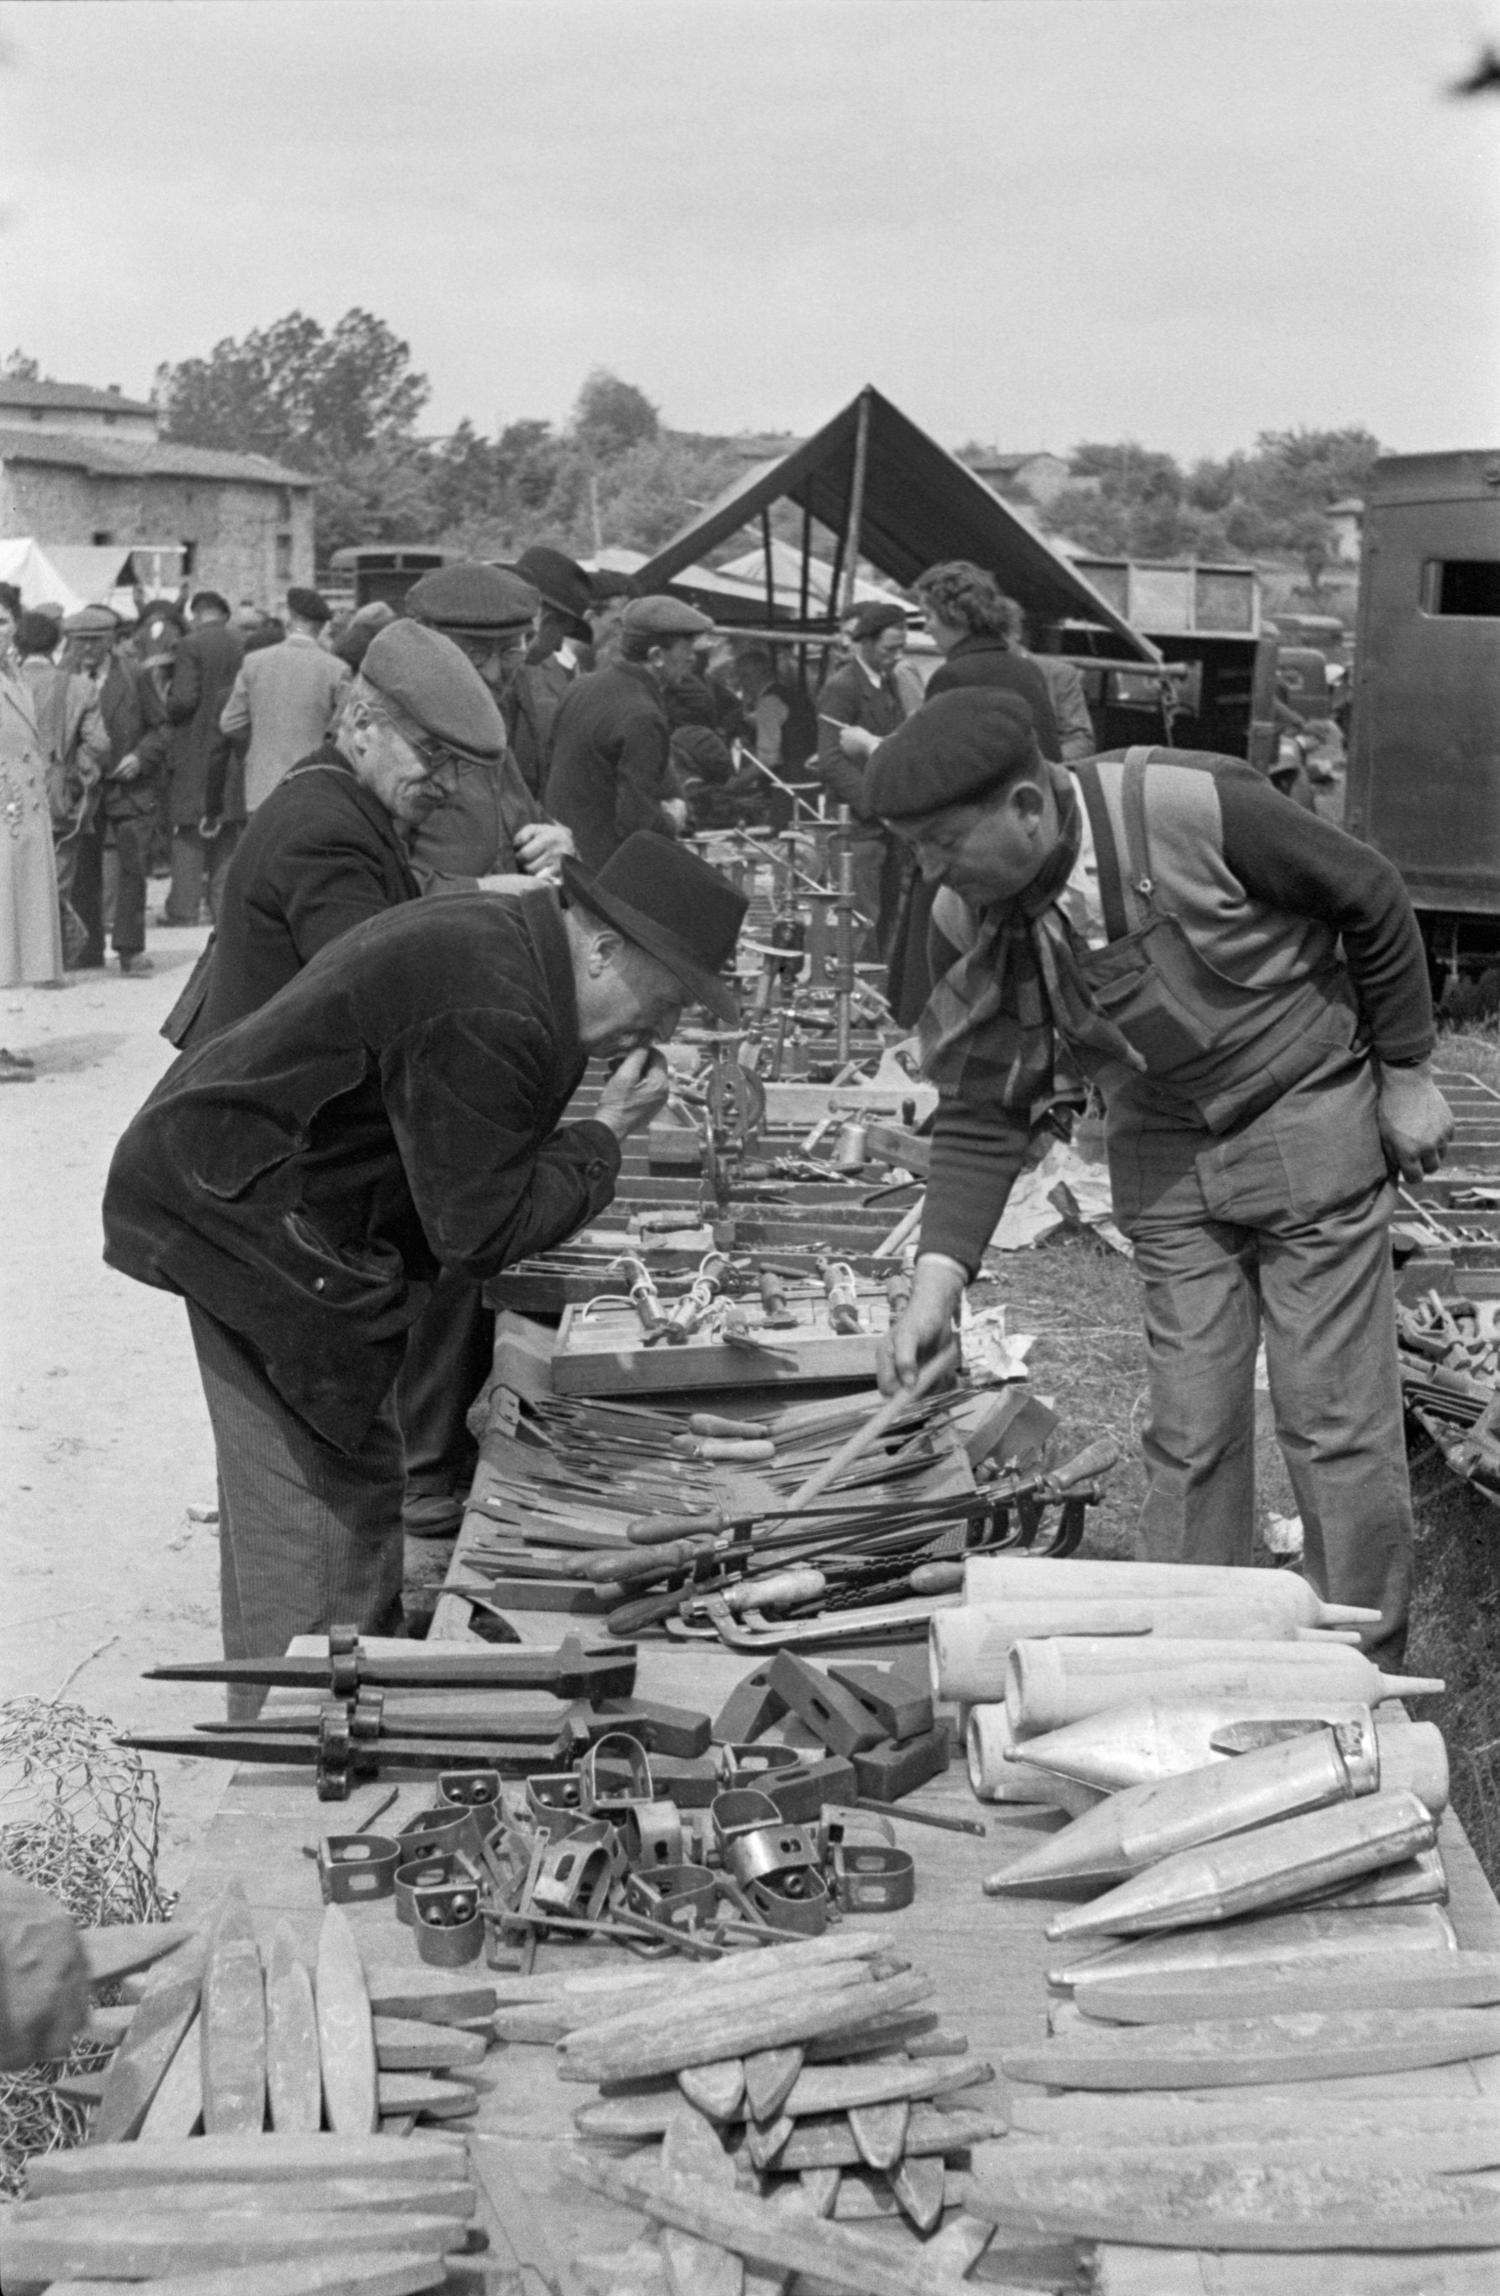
(344, 404)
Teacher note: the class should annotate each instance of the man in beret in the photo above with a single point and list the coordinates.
(135, 724)
(611, 771)
(1248, 987)
(496, 822)
(284, 699)
(859, 705)
(302, 1177)
(204, 668)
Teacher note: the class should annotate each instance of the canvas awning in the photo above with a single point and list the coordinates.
(917, 504)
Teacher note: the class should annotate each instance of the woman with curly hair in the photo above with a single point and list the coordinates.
(971, 623)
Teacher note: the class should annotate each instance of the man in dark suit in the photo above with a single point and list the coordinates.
(395, 1112)
(611, 770)
(136, 724)
(858, 706)
(204, 669)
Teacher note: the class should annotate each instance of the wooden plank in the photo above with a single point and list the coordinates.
(294, 2073)
(444, 2195)
(584, 2057)
(691, 2151)
(271, 2158)
(880, 2132)
(176, 2110)
(409, 2045)
(379, 2276)
(139, 2065)
(770, 2075)
(346, 2030)
(790, 2240)
(1188, 2272)
(1222, 2053)
(233, 2025)
(1231, 2201)
(142, 2246)
(715, 2090)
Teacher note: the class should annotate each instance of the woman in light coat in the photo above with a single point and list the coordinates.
(30, 932)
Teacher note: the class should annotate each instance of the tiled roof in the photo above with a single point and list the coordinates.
(143, 458)
(79, 398)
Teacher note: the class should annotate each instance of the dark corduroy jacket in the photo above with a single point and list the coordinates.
(204, 669)
(320, 855)
(396, 1108)
(611, 761)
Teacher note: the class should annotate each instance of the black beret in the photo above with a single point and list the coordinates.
(436, 685)
(956, 747)
(308, 606)
(872, 619)
(473, 598)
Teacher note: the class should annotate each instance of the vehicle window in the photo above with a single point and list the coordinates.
(1462, 586)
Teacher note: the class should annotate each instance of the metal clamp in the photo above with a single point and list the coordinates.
(769, 1850)
(468, 1789)
(600, 1791)
(433, 1831)
(576, 1873)
(742, 1810)
(554, 1801)
(746, 1765)
(653, 1834)
(682, 1895)
(424, 1873)
(798, 1900)
(867, 1880)
(354, 1866)
(449, 1926)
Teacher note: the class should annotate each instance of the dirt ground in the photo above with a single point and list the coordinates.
(104, 1441)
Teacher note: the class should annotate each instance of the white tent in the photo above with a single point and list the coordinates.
(69, 575)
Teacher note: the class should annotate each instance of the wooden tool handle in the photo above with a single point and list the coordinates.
(938, 1367)
(1096, 1459)
(653, 1530)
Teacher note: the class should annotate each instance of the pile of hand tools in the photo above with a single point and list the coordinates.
(238, 2127)
(763, 2107)
(1251, 1896)
(1449, 1352)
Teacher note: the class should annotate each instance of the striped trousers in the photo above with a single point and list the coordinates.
(308, 1537)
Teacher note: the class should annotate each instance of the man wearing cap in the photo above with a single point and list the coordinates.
(1248, 987)
(611, 770)
(495, 823)
(858, 706)
(559, 654)
(204, 669)
(135, 724)
(284, 699)
(331, 844)
(302, 1178)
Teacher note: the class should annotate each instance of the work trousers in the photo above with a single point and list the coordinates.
(190, 860)
(449, 1352)
(308, 1537)
(75, 932)
(1277, 1230)
(130, 840)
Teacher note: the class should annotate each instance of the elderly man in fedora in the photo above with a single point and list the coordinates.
(396, 1110)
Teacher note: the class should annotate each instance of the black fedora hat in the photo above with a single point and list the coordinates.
(672, 905)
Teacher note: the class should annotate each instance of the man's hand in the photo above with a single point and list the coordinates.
(127, 769)
(1416, 1123)
(541, 847)
(44, 1979)
(675, 809)
(937, 1286)
(635, 1092)
(856, 742)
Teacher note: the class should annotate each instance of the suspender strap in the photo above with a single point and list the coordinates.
(1111, 888)
(1133, 807)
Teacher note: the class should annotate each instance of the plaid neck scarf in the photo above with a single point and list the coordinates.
(999, 1024)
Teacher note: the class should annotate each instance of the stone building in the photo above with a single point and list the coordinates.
(80, 466)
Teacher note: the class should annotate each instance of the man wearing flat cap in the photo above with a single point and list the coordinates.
(133, 769)
(496, 822)
(611, 771)
(302, 1177)
(1247, 986)
(282, 704)
(859, 705)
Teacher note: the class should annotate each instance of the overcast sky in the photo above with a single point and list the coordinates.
(1028, 221)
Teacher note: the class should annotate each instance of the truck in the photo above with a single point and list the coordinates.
(1424, 737)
